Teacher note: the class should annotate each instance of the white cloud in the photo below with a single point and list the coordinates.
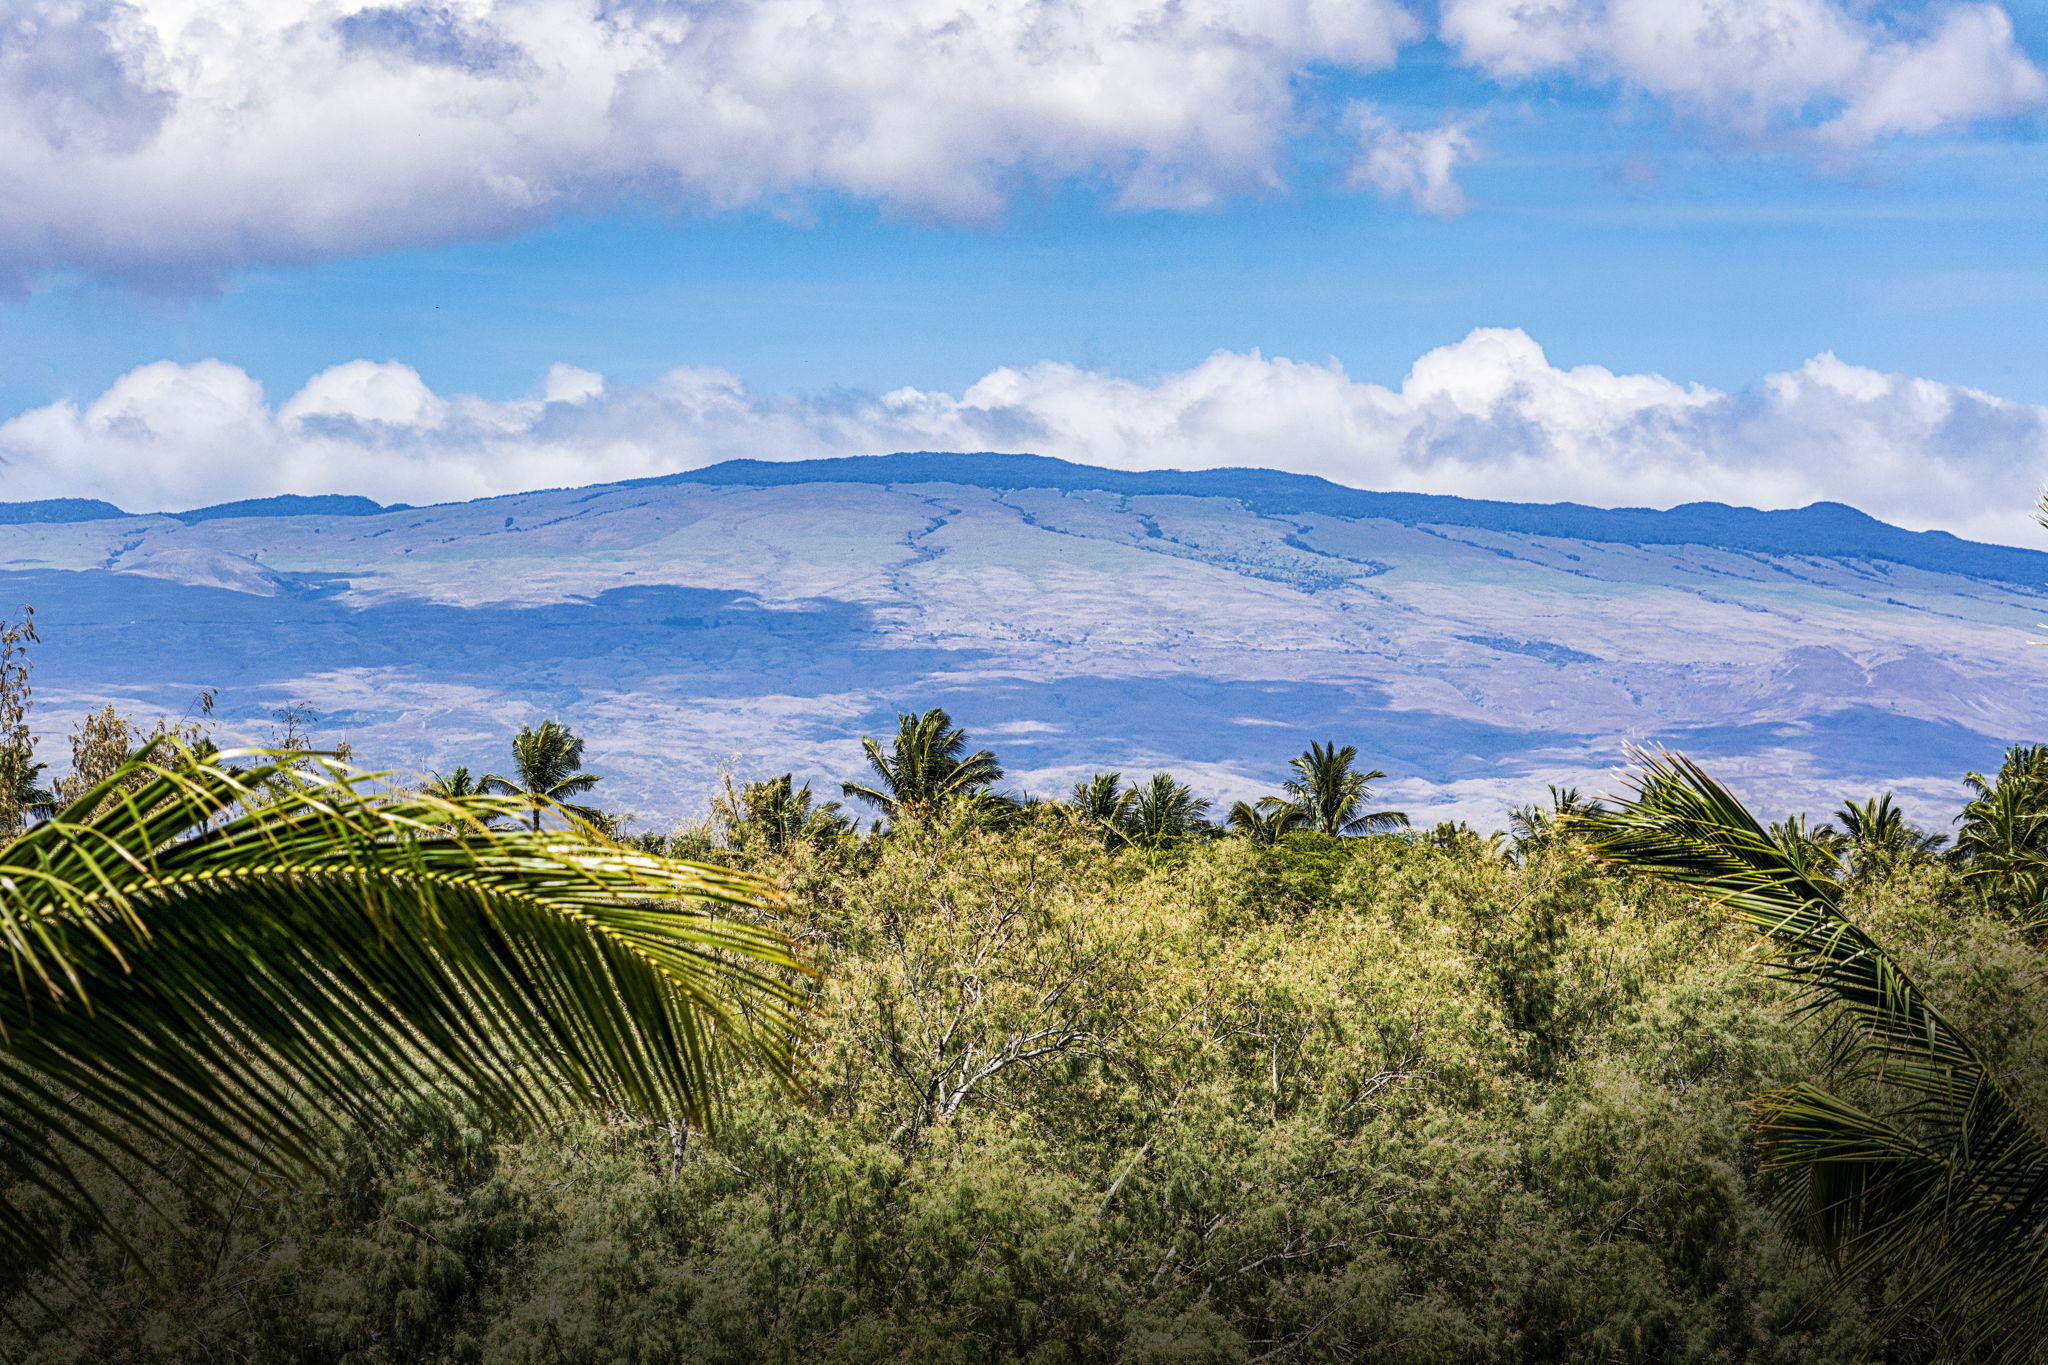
(178, 139)
(1761, 66)
(1418, 163)
(1488, 417)
(153, 136)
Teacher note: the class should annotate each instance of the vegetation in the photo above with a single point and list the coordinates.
(926, 767)
(1329, 794)
(1917, 1164)
(371, 1075)
(221, 967)
(774, 814)
(547, 769)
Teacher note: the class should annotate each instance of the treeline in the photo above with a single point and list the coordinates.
(929, 767)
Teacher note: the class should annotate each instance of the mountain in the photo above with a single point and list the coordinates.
(760, 616)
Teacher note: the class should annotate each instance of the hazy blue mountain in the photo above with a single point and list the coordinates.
(57, 509)
(762, 616)
(290, 505)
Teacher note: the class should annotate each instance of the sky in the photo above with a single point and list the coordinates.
(1624, 252)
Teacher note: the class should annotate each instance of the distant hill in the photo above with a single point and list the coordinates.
(290, 505)
(57, 510)
(760, 617)
(1824, 529)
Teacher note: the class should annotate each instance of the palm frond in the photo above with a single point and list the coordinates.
(1946, 1191)
(228, 964)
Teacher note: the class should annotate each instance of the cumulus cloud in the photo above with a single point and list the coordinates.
(1489, 416)
(1839, 73)
(1419, 164)
(144, 136)
(178, 139)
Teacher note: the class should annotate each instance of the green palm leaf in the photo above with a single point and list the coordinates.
(230, 963)
(1944, 1190)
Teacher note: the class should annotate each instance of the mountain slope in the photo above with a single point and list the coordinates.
(762, 616)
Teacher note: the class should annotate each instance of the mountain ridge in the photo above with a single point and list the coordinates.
(1830, 530)
(758, 618)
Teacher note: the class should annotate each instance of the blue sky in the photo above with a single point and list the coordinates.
(1691, 196)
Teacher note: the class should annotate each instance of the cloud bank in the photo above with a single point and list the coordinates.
(161, 133)
(178, 139)
(1489, 416)
(1755, 66)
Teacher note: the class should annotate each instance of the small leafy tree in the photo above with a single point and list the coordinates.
(927, 765)
(21, 793)
(547, 769)
(1331, 794)
(104, 740)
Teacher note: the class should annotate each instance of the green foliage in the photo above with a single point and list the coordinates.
(1265, 821)
(2003, 840)
(547, 769)
(21, 792)
(1917, 1166)
(927, 766)
(206, 967)
(1165, 812)
(1875, 838)
(1332, 1099)
(1104, 803)
(773, 814)
(1330, 794)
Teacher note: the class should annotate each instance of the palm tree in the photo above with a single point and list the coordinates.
(1265, 821)
(1532, 822)
(206, 971)
(455, 784)
(1331, 794)
(1104, 802)
(1876, 836)
(1818, 850)
(1166, 812)
(1937, 1195)
(547, 768)
(928, 765)
(776, 813)
(2003, 843)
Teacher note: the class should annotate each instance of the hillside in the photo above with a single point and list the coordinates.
(766, 615)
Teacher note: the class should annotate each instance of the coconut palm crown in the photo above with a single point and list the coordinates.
(776, 813)
(927, 765)
(1167, 812)
(1104, 802)
(1330, 793)
(547, 769)
(1265, 822)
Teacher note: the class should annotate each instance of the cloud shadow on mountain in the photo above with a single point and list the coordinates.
(125, 630)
